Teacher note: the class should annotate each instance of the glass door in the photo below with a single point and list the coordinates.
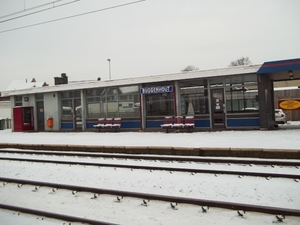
(217, 108)
(77, 114)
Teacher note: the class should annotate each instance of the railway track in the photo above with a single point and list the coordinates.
(63, 217)
(17, 159)
(157, 157)
(148, 197)
(163, 168)
(153, 159)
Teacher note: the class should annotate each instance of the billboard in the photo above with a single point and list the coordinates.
(289, 104)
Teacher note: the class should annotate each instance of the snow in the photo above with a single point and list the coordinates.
(281, 138)
(250, 190)
(23, 84)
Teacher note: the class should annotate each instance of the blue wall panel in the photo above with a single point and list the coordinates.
(202, 123)
(130, 124)
(67, 125)
(90, 125)
(154, 123)
(243, 122)
(238, 122)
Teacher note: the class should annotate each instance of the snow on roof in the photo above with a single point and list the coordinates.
(23, 84)
(229, 71)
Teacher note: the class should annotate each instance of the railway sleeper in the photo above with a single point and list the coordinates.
(200, 202)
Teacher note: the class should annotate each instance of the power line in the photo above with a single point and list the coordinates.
(73, 16)
(35, 7)
(18, 17)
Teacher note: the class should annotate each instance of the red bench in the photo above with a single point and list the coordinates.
(108, 123)
(178, 122)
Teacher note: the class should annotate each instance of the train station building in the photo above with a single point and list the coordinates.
(239, 97)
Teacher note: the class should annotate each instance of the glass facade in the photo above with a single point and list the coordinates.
(113, 102)
(70, 105)
(194, 97)
(211, 99)
(159, 103)
(241, 93)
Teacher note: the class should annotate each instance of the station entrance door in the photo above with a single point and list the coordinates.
(217, 108)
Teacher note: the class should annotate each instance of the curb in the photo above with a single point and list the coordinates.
(165, 150)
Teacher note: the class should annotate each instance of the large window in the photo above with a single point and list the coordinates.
(113, 102)
(159, 99)
(241, 93)
(129, 101)
(96, 103)
(160, 104)
(70, 104)
(194, 97)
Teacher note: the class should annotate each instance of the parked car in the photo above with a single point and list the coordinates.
(280, 117)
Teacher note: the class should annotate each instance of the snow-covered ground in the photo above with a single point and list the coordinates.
(251, 190)
(274, 139)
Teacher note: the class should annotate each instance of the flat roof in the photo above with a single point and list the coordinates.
(229, 71)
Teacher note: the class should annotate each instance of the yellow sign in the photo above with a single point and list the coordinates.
(290, 104)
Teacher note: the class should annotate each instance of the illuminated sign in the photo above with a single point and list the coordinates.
(156, 90)
(289, 104)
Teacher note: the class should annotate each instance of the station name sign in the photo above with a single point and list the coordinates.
(156, 90)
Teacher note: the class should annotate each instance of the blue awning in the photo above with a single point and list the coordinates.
(279, 66)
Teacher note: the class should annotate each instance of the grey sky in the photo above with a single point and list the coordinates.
(147, 38)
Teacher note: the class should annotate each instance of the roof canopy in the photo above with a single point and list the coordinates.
(279, 66)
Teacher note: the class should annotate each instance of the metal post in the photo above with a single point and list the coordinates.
(109, 68)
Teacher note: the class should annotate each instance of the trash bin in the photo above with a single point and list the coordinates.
(50, 122)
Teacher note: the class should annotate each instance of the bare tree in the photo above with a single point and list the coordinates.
(189, 68)
(240, 62)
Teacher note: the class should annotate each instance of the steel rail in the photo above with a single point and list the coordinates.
(171, 169)
(193, 201)
(53, 215)
(157, 157)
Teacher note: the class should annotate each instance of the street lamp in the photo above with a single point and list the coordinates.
(109, 68)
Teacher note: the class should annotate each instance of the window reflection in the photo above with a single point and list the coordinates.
(113, 102)
(194, 97)
(241, 93)
(160, 104)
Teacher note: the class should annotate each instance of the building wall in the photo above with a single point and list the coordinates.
(293, 115)
(51, 109)
(5, 110)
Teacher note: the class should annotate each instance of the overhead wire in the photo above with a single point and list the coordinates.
(73, 16)
(29, 9)
(35, 12)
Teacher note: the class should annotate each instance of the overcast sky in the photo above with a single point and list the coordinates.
(146, 38)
